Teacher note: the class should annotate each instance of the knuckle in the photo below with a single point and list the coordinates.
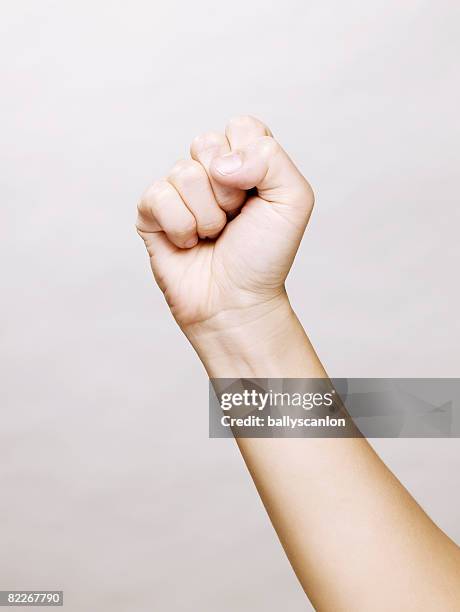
(161, 209)
(244, 121)
(142, 206)
(155, 191)
(186, 171)
(206, 141)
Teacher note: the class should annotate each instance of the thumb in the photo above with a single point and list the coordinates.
(265, 165)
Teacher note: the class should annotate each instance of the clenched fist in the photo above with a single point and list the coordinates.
(222, 229)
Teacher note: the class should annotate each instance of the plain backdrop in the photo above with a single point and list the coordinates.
(109, 486)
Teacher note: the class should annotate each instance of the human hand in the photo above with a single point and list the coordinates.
(222, 229)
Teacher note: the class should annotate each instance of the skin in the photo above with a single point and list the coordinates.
(222, 230)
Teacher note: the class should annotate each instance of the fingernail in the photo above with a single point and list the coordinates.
(191, 243)
(228, 164)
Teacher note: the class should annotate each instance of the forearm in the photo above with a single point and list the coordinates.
(354, 536)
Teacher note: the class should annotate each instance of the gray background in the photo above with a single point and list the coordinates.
(108, 491)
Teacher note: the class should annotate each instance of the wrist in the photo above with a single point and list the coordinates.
(264, 340)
